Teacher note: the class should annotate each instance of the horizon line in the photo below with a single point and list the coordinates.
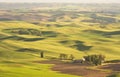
(70, 2)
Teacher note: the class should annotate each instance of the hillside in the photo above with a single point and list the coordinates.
(73, 29)
(77, 40)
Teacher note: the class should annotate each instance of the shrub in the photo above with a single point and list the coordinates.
(63, 56)
(71, 57)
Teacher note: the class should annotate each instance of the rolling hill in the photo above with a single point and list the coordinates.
(60, 30)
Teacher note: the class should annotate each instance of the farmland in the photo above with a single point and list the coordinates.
(77, 29)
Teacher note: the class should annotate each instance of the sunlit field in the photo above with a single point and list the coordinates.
(77, 29)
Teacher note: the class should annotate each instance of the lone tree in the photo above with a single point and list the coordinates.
(42, 54)
(95, 59)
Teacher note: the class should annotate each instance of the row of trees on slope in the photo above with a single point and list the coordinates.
(96, 59)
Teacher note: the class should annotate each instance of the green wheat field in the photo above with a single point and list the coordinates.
(77, 29)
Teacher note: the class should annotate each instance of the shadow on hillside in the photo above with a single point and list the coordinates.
(21, 38)
(103, 33)
(51, 34)
(33, 39)
(28, 50)
(79, 45)
(12, 38)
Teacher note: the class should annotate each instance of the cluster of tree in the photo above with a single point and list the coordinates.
(92, 59)
(25, 31)
(66, 57)
(29, 31)
(95, 59)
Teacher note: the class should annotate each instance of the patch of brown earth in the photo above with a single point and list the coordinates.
(113, 67)
(75, 69)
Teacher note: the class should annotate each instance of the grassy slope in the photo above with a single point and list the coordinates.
(52, 47)
(115, 75)
(25, 69)
(8, 55)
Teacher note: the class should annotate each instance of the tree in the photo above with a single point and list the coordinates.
(42, 54)
(95, 59)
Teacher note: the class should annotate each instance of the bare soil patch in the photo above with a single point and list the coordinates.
(76, 69)
(113, 67)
